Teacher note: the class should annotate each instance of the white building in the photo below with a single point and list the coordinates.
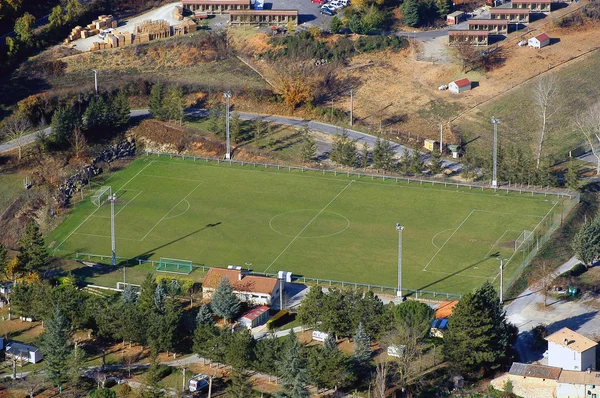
(573, 384)
(24, 352)
(541, 40)
(249, 288)
(459, 86)
(571, 351)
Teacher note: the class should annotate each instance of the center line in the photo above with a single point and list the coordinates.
(307, 225)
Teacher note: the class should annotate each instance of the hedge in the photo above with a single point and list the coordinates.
(184, 283)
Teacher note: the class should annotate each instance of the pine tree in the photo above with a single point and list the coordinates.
(205, 315)
(24, 28)
(308, 151)
(235, 128)
(240, 349)
(155, 103)
(330, 343)
(240, 387)
(173, 104)
(586, 243)
(571, 176)
(56, 17)
(310, 311)
(159, 297)
(76, 365)
(64, 121)
(414, 316)
(410, 12)
(56, 347)
(478, 335)
(415, 161)
(204, 338)
(129, 295)
(121, 109)
(3, 254)
(444, 7)
(362, 347)
(32, 252)
(335, 25)
(435, 163)
(146, 297)
(74, 10)
(292, 368)
(364, 156)
(224, 302)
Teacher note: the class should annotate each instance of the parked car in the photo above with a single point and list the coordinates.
(522, 43)
(103, 34)
(327, 11)
(336, 5)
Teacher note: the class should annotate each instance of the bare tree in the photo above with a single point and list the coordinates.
(33, 383)
(545, 94)
(406, 339)
(588, 123)
(16, 129)
(129, 360)
(78, 143)
(381, 374)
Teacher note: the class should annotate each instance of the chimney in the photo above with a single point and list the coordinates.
(241, 275)
(566, 341)
(589, 370)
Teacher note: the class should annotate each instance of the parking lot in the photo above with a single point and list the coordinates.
(308, 12)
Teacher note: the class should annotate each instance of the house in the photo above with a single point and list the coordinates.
(254, 317)
(512, 15)
(264, 17)
(541, 40)
(473, 37)
(571, 351)
(533, 5)
(250, 288)
(455, 18)
(574, 384)
(531, 381)
(495, 26)
(24, 352)
(212, 7)
(459, 86)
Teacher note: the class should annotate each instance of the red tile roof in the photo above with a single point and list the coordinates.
(542, 37)
(208, 2)
(488, 22)
(468, 33)
(445, 309)
(462, 82)
(531, 1)
(247, 283)
(255, 312)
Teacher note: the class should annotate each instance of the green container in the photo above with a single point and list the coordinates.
(572, 291)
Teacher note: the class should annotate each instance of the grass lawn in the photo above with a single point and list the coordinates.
(315, 225)
(11, 185)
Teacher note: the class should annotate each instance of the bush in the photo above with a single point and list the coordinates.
(163, 371)
(276, 320)
(184, 283)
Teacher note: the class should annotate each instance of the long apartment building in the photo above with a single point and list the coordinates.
(264, 17)
(472, 37)
(212, 7)
(512, 15)
(533, 5)
(493, 26)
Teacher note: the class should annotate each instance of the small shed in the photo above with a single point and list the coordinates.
(454, 149)
(539, 41)
(438, 327)
(459, 86)
(455, 18)
(255, 316)
(430, 144)
(24, 352)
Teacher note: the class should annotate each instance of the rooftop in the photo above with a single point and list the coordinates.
(264, 12)
(488, 22)
(456, 14)
(576, 377)
(255, 312)
(539, 371)
(531, 1)
(444, 310)
(15, 347)
(460, 83)
(240, 281)
(468, 33)
(573, 340)
(510, 11)
(542, 37)
(226, 2)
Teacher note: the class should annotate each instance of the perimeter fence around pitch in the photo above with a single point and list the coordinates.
(326, 283)
(521, 189)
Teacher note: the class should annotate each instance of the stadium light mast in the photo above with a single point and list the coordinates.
(399, 228)
(95, 80)
(113, 261)
(501, 284)
(495, 122)
(227, 96)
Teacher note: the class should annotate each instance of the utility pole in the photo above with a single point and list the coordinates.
(332, 109)
(227, 96)
(281, 294)
(501, 282)
(399, 228)
(351, 108)
(441, 137)
(495, 122)
(113, 261)
(95, 80)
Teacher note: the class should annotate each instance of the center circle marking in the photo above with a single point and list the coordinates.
(314, 212)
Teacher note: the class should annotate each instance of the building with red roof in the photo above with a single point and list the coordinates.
(249, 288)
(254, 317)
(459, 86)
(539, 41)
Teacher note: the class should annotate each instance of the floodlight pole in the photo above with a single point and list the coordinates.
(501, 284)
(113, 261)
(495, 122)
(399, 228)
(227, 96)
(95, 80)
(351, 108)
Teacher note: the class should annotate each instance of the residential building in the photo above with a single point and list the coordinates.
(254, 317)
(533, 5)
(460, 86)
(571, 351)
(574, 384)
(212, 7)
(264, 17)
(496, 26)
(249, 288)
(23, 352)
(530, 381)
(513, 16)
(455, 18)
(539, 41)
(476, 38)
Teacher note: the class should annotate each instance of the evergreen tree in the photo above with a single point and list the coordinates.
(415, 316)
(328, 366)
(74, 10)
(159, 297)
(155, 103)
(267, 355)
(103, 393)
(205, 339)
(146, 298)
(224, 302)
(32, 252)
(415, 161)
(586, 243)
(152, 379)
(364, 156)
(410, 13)
(121, 109)
(362, 347)
(383, 155)
(24, 27)
(478, 336)
(235, 128)
(571, 176)
(216, 120)
(173, 104)
(308, 151)
(344, 150)
(435, 163)
(443, 7)
(205, 315)
(64, 121)
(95, 115)
(56, 347)
(240, 387)
(57, 17)
(310, 311)
(240, 349)
(335, 25)
(76, 365)
(292, 369)
(3, 254)
(129, 295)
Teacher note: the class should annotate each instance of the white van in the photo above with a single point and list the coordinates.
(103, 34)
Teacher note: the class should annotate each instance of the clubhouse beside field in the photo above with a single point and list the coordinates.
(249, 288)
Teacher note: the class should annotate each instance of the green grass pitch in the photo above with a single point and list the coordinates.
(319, 226)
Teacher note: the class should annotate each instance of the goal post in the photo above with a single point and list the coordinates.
(524, 237)
(122, 285)
(101, 195)
(174, 265)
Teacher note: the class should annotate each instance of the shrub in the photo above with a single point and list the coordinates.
(185, 283)
(276, 320)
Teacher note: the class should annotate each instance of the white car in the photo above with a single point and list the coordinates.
(329, 7)
(103, 34)
(336, 5)
(522, 43)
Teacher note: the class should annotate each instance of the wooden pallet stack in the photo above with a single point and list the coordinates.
(92, 29)
(158, 29)
(187, 26)
(178, 13)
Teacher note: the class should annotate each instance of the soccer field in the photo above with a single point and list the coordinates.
(313, 224)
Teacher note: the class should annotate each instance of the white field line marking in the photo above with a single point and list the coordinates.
(460, 273)
(495, 243)
(441, 232)
(182, 213)
(413, 185)
(515, 252)
(170, 178)
(308, 224)
(128, 202)
(105, 236)
(450, 237)
(510, 214)
(172, 208)
(97, 208)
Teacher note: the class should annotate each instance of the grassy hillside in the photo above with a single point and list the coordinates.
(579, 87)
(11, 185)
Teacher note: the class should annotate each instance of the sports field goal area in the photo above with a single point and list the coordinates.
(317, 224)
(174, 266)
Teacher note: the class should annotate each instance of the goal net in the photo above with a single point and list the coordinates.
(122, 285)
(174, 265)
(523, 238)
(101, 196)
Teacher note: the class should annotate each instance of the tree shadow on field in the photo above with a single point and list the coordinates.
(452, 274)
